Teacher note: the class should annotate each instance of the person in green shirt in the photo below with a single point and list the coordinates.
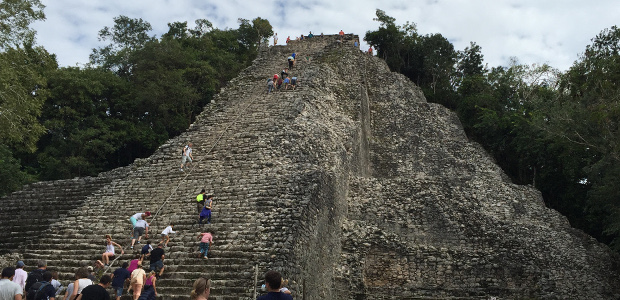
(200, 200)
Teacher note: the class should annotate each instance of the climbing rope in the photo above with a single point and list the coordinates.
(217, 141)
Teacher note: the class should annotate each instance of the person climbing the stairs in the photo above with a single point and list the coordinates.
(165, 235)
(109, 250)
(145, 250)
(200, 199)
(294, 82)
(138, 277)
(206, 210)
(157, 259)
(136, 217)
(142, 227)
(206, 238)
(269, 85)
(187, 155)
(150, 289)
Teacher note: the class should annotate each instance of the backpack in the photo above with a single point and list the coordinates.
(33, 277)
(183, 150)
(35, 291)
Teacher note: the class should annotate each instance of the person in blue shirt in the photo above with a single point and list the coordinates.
(119, 277)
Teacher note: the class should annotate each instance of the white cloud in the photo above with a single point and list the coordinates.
(553, 31)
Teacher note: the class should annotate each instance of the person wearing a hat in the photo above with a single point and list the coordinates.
(20, 275)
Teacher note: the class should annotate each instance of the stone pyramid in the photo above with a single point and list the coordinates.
(352, 186)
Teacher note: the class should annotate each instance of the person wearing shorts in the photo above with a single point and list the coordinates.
(294, 82)
(165, 235)
(139, 216)
(157, 259)
(119, 277)
(141, 228)
(187, 155)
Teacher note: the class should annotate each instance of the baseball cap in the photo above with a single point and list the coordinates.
(20, 264)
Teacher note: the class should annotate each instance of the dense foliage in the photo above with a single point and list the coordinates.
(557, 131)
(137, 92)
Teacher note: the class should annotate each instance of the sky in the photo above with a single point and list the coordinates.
(555, 32)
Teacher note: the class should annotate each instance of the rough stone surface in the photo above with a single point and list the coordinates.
(352, 186)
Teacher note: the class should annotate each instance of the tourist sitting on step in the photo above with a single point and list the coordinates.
(157, 259)
(288, 39)
(165, 235)
(273, 282)
(138, 277)
(139, 216)
(142, 227)
(206, 238)
(201, 289)
(119, 277)
(109, 250)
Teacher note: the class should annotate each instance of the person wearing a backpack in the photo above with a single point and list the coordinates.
(9, 290)
(42, 290)
(35, 276)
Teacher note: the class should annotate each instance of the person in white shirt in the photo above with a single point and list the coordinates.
(20, 275)
(165, 235)
(187, 155)
(9, 290)
(142, 227)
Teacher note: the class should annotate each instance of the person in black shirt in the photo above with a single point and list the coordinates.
(97, 291)
(157, 259)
